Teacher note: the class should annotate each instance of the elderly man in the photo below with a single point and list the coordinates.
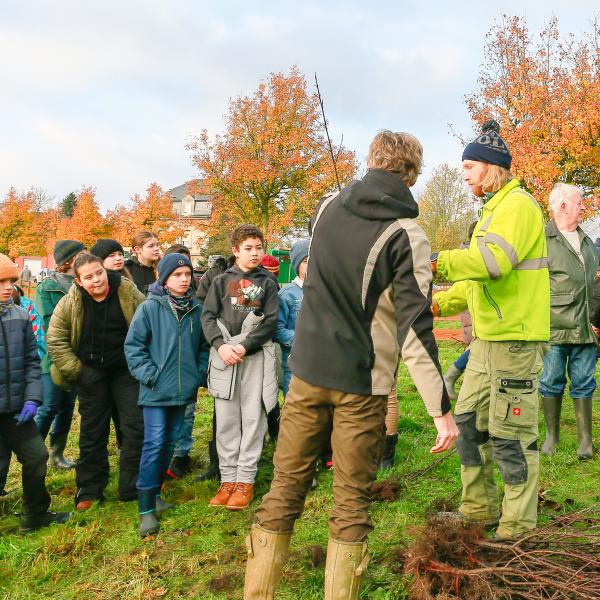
(573, 263)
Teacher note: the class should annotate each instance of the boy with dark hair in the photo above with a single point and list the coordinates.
(20, 398)
(239, 321)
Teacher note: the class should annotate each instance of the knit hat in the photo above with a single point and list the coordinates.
(8, 269)
(65, 250)
(270, 263)
(298, 253)
(489, 147)
(169, 263)
(104, 247)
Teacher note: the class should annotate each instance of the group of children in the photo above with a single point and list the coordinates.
(134, 340)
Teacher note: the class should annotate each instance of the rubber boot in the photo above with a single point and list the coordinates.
(56, 459)
(267, 553)
(147, 508)
(345, 565)
(389, 451)
(552, 407)
(213, 468)
(583, 415)
(450, 378)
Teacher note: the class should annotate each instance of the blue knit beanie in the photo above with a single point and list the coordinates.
(489, 147)
(298, 253)
(169, 263)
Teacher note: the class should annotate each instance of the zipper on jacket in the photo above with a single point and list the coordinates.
(494, 304)
(7, 363)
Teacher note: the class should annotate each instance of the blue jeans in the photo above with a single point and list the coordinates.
(57, 410)
(461, 362)
(287, 373)
(161, 430)
(185, 441)
(579, 361)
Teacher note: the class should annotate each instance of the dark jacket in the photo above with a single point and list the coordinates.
(20, 373)
(571, 288)
(206, 281)
(142, 276)
(167, 355)
(367, 295)
(47, 295)
(231, 297)
(66, 325)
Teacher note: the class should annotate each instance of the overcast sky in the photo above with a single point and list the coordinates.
(107, 93)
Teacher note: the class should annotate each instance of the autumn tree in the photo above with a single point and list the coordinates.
(446, 209)
(545, 92)
(20, 231)
(87, 224)
(153, 212)
(272, 164)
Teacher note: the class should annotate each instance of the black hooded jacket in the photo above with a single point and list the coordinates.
(367, 295)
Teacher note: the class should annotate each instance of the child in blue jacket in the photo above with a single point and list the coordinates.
(167, 353)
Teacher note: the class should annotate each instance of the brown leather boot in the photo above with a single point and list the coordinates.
(223, 494)
(241, 497)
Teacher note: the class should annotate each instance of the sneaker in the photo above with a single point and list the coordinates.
(223, 494)
(84, 505)
(241, 497)
(33, 522)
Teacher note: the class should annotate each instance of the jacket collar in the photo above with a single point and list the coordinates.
(501, 194)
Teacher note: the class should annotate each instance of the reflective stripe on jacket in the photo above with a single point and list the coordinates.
(506, 269)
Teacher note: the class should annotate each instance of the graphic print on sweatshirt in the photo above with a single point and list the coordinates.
(244, 294)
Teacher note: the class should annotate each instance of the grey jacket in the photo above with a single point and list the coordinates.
(259, 366)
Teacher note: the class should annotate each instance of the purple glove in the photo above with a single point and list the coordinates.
(27, 413)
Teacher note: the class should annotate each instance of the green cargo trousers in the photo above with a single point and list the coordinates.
(497, 415)
(357, 428)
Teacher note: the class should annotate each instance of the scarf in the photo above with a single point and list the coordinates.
(179, 303)
(6, 306)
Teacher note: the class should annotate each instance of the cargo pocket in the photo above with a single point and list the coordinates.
(221, 377)
(515, 402)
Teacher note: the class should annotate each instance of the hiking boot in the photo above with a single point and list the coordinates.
(552, 407)
(56, 458)
(180, 467)
(457, 517)
(583, 415)
(162, 506)
(32, 522)
(149, 524)
(450, 378)
(223, 494)
(241, 497)
(389, 451)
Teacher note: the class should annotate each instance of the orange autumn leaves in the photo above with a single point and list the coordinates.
(545, 92)
(25, 229)
(272, 164)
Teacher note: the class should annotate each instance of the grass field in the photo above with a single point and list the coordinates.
(200, 551)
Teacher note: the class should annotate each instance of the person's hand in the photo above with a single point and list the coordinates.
(27, 413)
(435, 308)
(433, 260)
(447, 433)
(596, 330)
(240, 350)
(229, 355)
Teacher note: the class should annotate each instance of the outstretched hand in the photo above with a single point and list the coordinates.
(447, 433)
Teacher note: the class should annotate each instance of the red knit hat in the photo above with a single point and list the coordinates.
(271, 264)
(8, 269)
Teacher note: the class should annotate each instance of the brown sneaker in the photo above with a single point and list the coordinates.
(241, 497)
(223, 494)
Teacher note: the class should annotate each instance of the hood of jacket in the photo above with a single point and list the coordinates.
(379, 196)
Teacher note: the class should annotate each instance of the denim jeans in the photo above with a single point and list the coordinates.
(162, 426)
(461, 362)
(185, 441)
(57, 410)
(576, 360)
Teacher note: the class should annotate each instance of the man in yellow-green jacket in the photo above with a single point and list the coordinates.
(502, 278)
